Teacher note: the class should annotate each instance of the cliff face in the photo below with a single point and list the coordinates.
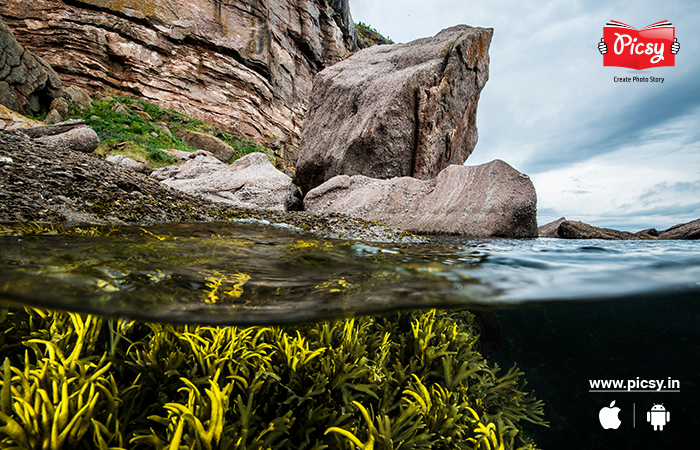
(245, 65)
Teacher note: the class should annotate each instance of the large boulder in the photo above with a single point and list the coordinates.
(246, 66)
(396, 110)
(28, 85)
(250, 182)
(71, 134)
(488, 200)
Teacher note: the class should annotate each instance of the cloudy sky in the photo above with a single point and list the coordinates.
(619, 155)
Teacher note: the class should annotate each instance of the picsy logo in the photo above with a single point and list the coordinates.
(652, 46)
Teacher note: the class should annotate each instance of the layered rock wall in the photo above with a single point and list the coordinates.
(245, 65)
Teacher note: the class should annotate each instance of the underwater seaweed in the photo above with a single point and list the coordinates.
(404, 380)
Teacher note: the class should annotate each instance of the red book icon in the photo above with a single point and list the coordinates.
(639, 49)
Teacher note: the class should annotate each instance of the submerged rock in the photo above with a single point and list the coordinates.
(250, 182)
(396, 110)
(491, 199)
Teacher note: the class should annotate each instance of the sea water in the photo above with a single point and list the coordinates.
(588, 321)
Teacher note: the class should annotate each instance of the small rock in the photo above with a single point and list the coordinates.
(53, 117)
(78, 96)
(163, 127)
(221, 150)
(129, 163)
(202, 165)
(5, 160)
(61, 106)
(121, 109)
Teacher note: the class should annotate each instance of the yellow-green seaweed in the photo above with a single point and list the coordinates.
(406, 380)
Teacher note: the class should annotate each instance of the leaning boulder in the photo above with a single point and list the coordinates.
(28, 85)
(489, 200)
(396, 110)
(250, 182)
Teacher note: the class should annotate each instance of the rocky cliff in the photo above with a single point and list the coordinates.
(27, 84)
(245, 65)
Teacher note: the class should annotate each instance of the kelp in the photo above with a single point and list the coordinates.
(409, 380)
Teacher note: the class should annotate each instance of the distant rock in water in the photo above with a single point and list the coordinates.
(567, 229)
(28, 85)
(690, 230)
(489, 200)
(396, 110)
(246, 66)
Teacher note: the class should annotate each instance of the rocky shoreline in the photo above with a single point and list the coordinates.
(568, 229)
(39, 183)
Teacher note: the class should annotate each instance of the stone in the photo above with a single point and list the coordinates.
(121, 109)
(78, 96)
(28, 84)
(396, 110)
(251, 182)
(81, 139)
(246, 66)
(129, 163)
(10, 120)
(53, 117)
(489, 200)
(689, 230)
(550, 229)
(569, 229)
(202, 141)
(181, 155)
(60, 105)
(200, 164)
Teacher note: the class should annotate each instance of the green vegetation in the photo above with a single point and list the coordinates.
(409, 380)
(129, 127)
(370, 35)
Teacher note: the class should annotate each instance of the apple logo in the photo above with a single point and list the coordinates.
(608, 417)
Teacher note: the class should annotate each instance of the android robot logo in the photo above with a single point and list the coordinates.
(658, 416)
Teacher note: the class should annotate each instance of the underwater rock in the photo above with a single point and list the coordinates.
(491, 199)
(396, 110)
(249, 182)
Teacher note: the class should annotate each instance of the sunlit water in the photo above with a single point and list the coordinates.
(570, 311)
(245, 274)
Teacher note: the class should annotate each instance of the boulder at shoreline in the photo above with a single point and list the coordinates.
(396, 110)
(489, 200)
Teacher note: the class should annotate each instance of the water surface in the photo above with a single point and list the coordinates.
(220, 273)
